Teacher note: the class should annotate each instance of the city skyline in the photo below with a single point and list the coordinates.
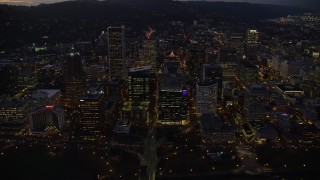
(159, 89)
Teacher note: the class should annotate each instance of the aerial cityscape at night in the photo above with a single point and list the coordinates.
(159, 89)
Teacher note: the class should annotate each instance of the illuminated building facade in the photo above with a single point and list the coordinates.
(8, 77)
(212, 55)
(213, 73)
(206, 95)
(74, 79)
(47, 119)
(91, 124)
(173, 108)
(116, 52)
(95, 73)
(123, 127)
(12, 117)
(228, 60)
(196, 56)
(137, 108)
(237, 42)
(45, 75)
(255, 102)
(148, 55)
(252, 44)
(212, 131)
(247, 73)
(26, 80)
(139, 84)
(116, 88)
(171, 62)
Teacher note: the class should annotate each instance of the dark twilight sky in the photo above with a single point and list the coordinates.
(301, 3)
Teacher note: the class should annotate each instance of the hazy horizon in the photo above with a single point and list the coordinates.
(300, 3)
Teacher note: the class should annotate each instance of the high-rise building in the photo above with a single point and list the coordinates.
(213, 132)
(173, 106)
(139, 84)
(8, 77)
(74, 79)
(102, 46)
(12, 111)
(291, 68)
(213, 73)
(228, 60)
(212, 55)
(116, 88)
(252, 37)
(227, 55)
(252, 44)
(247, 73)
(171, 63)
(196, 56)
(206, 97)
(45, 76)
(133, 48)
(317, 74)
(137, 108)
(95, 73)
(91, 124)
(116, 52)
(172, 58)
(148, 55)
(255, 102)
(47, 119)
(173, 102)
(26, 80)
(237, 41)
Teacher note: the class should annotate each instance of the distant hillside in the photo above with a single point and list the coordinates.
(115, 10)
(74, 20)
(244, 11)
(152, 10)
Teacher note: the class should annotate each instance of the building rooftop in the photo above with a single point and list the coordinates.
(211, 121)
(288, 87)
(206, 83)
(171, 82)
(141, 68)
(124, 122)
(49, 106)
(212, 66)
(50, 92)
(267, 132)
(116, 82)
(256, 89)
(93, 92)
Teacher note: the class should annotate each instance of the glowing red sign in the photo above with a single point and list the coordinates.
(49, 107)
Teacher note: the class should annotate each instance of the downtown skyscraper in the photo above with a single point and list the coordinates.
(91, 124)
(74, 79)
(116, 52)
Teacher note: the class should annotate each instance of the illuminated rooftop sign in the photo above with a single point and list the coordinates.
(49, 107)
(184, 92)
